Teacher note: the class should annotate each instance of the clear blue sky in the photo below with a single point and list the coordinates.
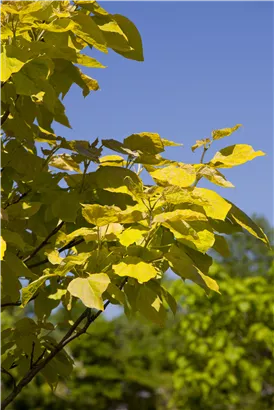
(208, 65)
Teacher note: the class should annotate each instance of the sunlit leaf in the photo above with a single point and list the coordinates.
(224, 132)
(234, 155)
(135, 268)
(90, 289)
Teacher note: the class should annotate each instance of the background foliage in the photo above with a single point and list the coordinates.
(217, 352)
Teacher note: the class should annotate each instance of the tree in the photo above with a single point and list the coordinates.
(216, 353)
(71, 236)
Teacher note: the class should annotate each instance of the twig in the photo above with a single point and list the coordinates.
(10, 375)
(68, 246)
(5, 117)
(203, 155)
(44, 243)
(18, 199)
(66, 339)
(31, 355)
(11, 304)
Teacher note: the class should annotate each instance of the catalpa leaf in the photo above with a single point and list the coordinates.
(150, 305)
(64, 162)
(240, 217)
(214, 205)
(181, 176)
(200, 143)
(29, 291)
(89, 290)
(224, 132)
(133, 37)
(146, 142)
(234, 155)
(213, 175)
(3, 248)
(100, 215)
(184, 266)
(134, 267)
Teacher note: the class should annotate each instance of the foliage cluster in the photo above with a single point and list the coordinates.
(100, 236)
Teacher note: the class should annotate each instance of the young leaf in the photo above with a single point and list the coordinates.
(234, 155)
(134, 267)
(224, 132)
(90, 289)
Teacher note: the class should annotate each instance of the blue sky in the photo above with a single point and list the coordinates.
(208, 65)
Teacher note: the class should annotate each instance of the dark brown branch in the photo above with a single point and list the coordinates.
(44, 243)
(32, 355)
(5, 117)
(10, 304)
(68, 246)
(10, 375)
(66, 339)
(18, 199)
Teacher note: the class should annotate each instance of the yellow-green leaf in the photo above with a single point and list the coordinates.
(29, 291)
(168, 143)
(182, 175)
(100, 215)
(214, 205)
(133, 37)
(238, 216)
(3, 248)
(64, 162)
(184, 266)
(224, 132)
(89, 290)
(54, 257)
(234, 155)
(131, 235)
(213, 175)
(221, 246)
(134, 267)
(180, 214)
(147, 142)
(9, 65)
(200, 143)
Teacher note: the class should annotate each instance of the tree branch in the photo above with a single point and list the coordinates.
(37, 367)
(18, 199)
(10, 375)
(44, 243)
(68, 246)
(5, 117)
(10, 304)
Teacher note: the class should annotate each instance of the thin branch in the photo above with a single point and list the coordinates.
(68, 246)
(203, 155)
(32, 355)
(5, 117)
(66, 339)
(10, 304)
(10, 375)
(45, 242)
(18, 199)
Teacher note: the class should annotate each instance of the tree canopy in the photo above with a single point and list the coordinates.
(79, 225)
